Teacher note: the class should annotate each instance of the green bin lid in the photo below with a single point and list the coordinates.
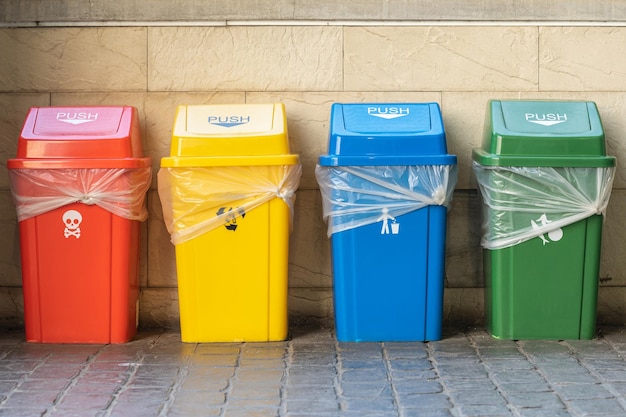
(543, 133)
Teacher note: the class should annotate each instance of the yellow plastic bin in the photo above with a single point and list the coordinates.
(228, 191)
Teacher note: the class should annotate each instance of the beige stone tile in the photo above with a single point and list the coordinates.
(611, 306)
(310, 302)
(464, 262)
(612, 260)
(160, 109)
(14, 108)
(463, 306)
(441, 58)
(309, 254)
(11, 307)
(582, 59)
(73, 59)
(255, 58)
(464, 119)
(612, 108)
(135, 99)
(158, 308)
(156, 113)
(308, 119)
(10, 262)
(161, 252)
(223, 11)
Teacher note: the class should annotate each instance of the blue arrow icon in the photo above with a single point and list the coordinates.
(229, 124)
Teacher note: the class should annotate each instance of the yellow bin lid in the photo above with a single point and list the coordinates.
(230, 130)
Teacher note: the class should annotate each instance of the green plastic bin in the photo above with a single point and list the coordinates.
(545, 182)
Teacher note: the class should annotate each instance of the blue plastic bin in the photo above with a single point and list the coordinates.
(386, 183)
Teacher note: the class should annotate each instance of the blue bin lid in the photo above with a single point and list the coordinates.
(386, 134)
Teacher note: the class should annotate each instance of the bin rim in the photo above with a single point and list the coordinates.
(228, 161)
(78, 163)
(485, 158)
(395, 160)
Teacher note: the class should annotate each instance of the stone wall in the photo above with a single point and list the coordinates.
(309, 55)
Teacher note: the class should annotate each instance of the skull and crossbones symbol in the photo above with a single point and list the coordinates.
(72, 220)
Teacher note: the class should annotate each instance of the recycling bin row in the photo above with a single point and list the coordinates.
(227, 190)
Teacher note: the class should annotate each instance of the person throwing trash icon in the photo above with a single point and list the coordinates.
(385, 219)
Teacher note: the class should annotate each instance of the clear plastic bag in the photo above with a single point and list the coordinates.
(522, 203)
(355, 196)
(193, 196)
(120, 191)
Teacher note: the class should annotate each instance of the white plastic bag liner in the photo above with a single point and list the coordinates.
(191, 196)
(120, 191)
(355, 196)
(522, 203)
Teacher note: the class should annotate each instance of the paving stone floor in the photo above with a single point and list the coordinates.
(468, 373)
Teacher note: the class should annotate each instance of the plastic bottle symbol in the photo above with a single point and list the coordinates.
(553, 236)
(395, 226)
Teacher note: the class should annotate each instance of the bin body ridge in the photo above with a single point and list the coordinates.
(80, 260)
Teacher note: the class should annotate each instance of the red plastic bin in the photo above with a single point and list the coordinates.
(79, 182)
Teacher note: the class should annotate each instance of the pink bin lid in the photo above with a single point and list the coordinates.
(61, 136)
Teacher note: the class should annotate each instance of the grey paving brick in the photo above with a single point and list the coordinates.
(516, 377)
(84, 401)
(204, 398)
(619, 387)
(410, 364)
(582, 391)
(32, 384)
(543, 412)
(432, 412)
(259, 376)
(381, 404)
(477, 397)
(369, 413)
(356, 376)
(312, 405)
(371, 389)
(618, 375)
(459, 371)
(501, 352)
(500, 365)
(303, 375)
(303, 392)
(605, 406)
(422, 401)
(574, 376)
(225, 361)
(56, 371)
(525, 387)
(484, 410)
(534, 399)
(255, 412)
(465, 374)
(24, 411)
(314, 358)
(400, 375)
(193, 409)
(240, 391)
(404, 350)
(358, 363)
(468, 384)
(417, 387)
